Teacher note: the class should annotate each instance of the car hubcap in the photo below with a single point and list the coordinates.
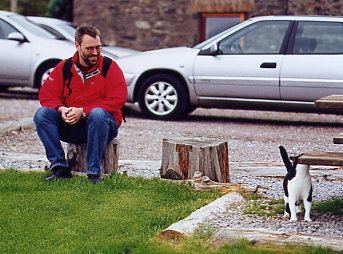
(161, 98)
(46, 75)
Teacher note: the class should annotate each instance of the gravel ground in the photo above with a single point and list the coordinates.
(252, 137)
(323, 224)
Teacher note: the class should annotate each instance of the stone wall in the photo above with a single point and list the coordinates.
(153, 24)
(269, 7)
(298, 7)
(315, 7)
(140, 24)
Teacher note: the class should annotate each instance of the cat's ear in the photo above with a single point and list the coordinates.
(295, 160)
(285, 158)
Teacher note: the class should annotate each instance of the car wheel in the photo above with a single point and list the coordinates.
(163, 96)
(43, 73)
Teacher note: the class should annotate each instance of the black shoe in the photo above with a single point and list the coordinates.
(66, 173)
(95, 178)
(59, 172)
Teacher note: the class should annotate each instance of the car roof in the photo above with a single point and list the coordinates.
(47, 20)
(7, 13)
(300, 17)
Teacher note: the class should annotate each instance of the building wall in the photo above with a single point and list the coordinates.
(315, 7)
(140, 24)
(269, 7)
(153, 24)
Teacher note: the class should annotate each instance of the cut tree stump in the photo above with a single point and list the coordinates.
(77, 157)
(182, 158)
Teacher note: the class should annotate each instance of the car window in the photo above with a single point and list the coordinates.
(5, 29)
(69, 28)
(318, 38)
(263, 37)
(57, 34)
(33, 28)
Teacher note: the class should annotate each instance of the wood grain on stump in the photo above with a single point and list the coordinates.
(184, 157)
(77, 157)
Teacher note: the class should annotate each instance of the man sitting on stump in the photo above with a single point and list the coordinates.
(81, 103)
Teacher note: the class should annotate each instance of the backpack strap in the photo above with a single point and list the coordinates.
(67, 75)
(105, 66)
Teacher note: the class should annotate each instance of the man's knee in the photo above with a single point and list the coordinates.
(42, 114)
(97, 115)
(102, 120)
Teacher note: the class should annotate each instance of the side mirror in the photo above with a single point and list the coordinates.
(15, 36)
(214, 49)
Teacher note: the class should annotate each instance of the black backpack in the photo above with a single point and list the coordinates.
(67, 75)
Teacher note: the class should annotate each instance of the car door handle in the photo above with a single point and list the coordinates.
(268, 65)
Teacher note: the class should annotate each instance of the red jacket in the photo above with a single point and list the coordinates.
(109, 94)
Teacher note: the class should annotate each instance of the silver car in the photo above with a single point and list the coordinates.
(65, 29)
(264, 63)
(28, 52)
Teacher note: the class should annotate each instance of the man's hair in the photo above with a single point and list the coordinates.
(86, 29)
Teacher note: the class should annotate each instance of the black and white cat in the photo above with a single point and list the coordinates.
(297, 187)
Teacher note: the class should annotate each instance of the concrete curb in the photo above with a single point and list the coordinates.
(202, 216)
(146, 168)
(16, 125)
(260, 236)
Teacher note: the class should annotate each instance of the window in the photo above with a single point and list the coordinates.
(53, 31)
(265, 37)
(212, 24)
(318, 38)
(30, 26)
(5, 29)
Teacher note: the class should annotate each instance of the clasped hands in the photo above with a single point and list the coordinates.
(71, 115)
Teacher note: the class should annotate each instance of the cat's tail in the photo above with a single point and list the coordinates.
(286, 159)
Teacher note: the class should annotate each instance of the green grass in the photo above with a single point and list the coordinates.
(334, 206)
(121, 215)
(273, 207)
(74, 216)
(263, 207)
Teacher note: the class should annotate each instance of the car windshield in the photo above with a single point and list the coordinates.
(208, 41)
(33, 28)
(69, 28)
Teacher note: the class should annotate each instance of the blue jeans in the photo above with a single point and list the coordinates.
(98, 129)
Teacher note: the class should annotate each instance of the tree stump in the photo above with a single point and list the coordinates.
(182, 158)
(77, 157)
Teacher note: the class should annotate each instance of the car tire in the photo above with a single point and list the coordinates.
(163, 96)
(43, 72)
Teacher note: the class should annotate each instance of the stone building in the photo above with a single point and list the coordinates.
(153, 24)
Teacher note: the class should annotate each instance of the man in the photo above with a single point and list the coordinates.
(84, 108)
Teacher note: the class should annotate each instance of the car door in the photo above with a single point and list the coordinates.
(247, 65)
(314, 67)
(16, 57)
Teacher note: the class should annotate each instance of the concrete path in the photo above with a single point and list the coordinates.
(140, 168)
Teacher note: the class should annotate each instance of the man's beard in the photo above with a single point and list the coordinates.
(89, 62)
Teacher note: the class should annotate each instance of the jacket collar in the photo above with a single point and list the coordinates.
(76, 60)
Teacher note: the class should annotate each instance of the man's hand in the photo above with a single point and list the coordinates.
(71, 115)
